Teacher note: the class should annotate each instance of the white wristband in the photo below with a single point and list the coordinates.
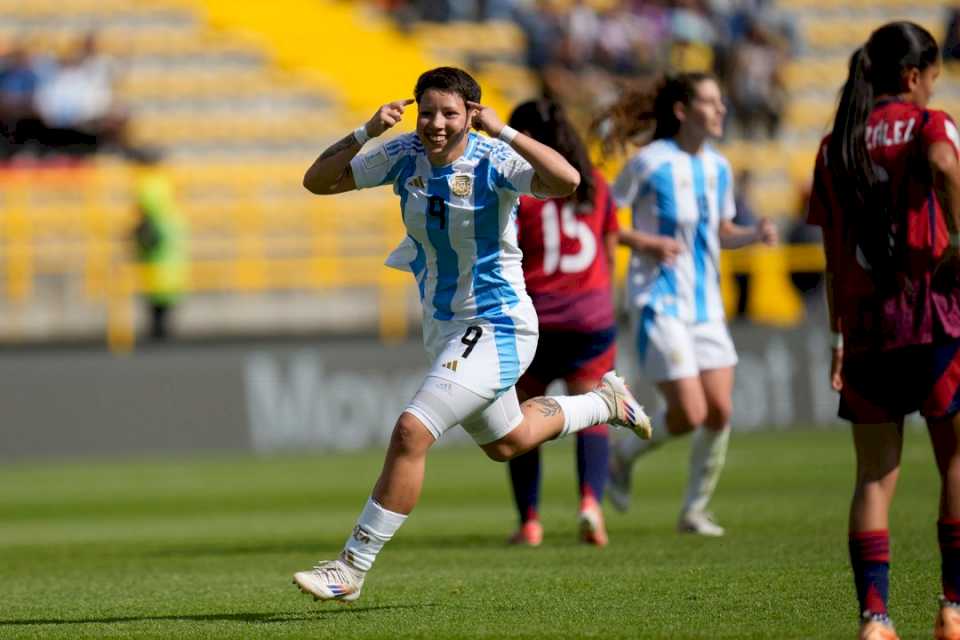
(955, 240)
(507, 134)
(360, 134)
(836, 340)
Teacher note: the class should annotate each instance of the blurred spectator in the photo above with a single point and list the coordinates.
(807, 283)
(620, 43)
(77, 104)
(951, 40)
(745, 217)
(755, 83)
(582, 35)
(160, 240)
(20, 75)
(694, 37)
(542, 26)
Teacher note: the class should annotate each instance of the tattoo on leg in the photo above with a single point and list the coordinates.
(548, 406)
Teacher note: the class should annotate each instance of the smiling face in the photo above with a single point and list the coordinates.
(443, 122)
(703, 117)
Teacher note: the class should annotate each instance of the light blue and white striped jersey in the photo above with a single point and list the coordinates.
(461, 242)
(683, 196)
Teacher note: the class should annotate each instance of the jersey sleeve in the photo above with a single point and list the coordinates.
(382, 165)
(511, 171)
(940, 127)
(628, 182)
(728, 205)
(818, 209)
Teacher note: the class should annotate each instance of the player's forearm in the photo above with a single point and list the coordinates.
(946, 181)
(637, 240)
(328, 173)
(556, 177)
(831, 308)
(734, 236)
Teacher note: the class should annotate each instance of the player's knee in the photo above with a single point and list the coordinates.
(686, 418)
(505, 449)
(409, 435)
(500, 452)
(718, 415)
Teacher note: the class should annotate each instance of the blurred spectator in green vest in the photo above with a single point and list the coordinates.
(160, 238)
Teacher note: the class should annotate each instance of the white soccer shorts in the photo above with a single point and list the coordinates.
(670, 349)
(474, 370)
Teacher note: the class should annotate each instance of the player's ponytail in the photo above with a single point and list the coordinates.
(645, 112)
(875, 69)
(546, 121)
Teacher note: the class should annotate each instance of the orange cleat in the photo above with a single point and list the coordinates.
(530, 534)
(592, 529)
(875, 627)
(947, 626)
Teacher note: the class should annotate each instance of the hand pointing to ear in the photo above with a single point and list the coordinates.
(485, 119)
(387, 116)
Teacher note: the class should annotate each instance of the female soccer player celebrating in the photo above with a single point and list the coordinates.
(681, 193)
(568, 249)
(458, 194)
(887, 194)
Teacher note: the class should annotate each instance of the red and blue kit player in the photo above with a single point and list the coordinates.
(887, 193)
(568, 249)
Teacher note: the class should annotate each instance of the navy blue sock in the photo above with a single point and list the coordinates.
(870, 560)
(525, 478)
(593, 451)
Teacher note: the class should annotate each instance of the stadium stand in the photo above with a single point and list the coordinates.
(239, 97)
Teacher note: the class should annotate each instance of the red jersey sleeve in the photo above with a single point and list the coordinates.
(818, 209)
(940, 127)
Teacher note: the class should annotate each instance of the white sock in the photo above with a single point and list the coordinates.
(630, 448)
(708, 452)
(374, 528)
(581, 412)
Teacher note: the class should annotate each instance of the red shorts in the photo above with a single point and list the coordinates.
(570, 356)
(885, 386)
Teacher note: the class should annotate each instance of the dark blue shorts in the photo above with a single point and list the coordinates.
(885, 386)
(571, 356)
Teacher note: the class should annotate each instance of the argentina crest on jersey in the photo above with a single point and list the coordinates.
(461, 185)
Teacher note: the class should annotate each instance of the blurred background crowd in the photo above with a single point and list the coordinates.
(151, 149)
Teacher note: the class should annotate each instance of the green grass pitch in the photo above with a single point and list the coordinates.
(205, 548)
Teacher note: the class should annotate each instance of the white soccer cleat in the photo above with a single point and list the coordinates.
(625, 411)
(619, 472)
(331, 580)
(699, 522)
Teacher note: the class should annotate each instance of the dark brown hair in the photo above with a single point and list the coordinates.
(546, 121)
(645, 112)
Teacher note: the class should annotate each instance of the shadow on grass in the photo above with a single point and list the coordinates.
(466, 541)
(252, 617)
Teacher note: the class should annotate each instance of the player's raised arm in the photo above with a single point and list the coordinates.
(331, 173)
(554, 178)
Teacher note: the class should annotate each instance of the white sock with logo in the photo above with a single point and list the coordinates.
(581, 412)
(375, 527)
(708, 452)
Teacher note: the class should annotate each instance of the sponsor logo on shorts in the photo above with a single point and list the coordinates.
(452, 365)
